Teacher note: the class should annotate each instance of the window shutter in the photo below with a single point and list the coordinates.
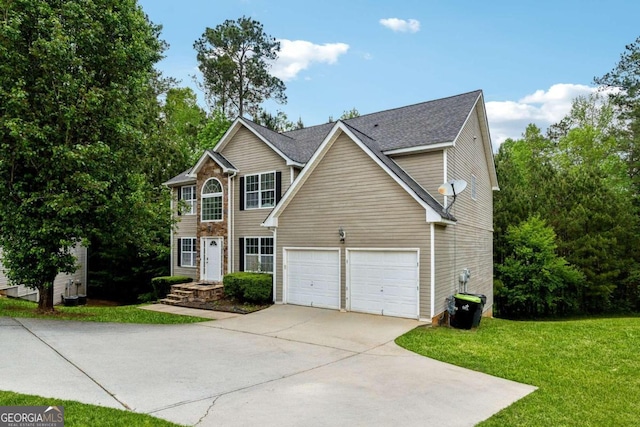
(179, 198)
(242, 195)
(278, 186)
(179, 252)
(241, 249)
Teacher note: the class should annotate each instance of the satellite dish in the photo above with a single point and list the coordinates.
(453, 187)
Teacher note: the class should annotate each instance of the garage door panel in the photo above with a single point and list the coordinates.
(313, 278)
(384, 282)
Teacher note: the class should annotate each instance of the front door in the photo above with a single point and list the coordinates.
(211, 259)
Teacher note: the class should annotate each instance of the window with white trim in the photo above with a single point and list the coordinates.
(211, 200)
(188, 197)
(187, 248)
(258, 254)
(260, 190)
(474, 191)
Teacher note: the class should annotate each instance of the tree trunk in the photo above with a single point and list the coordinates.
(45, 303)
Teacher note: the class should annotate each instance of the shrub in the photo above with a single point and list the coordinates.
(249, 287)
(533, 280)
(162, 285)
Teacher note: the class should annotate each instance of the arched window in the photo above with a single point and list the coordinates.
(212, 200)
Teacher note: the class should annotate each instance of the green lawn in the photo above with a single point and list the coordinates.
(123, 314)
(587, 371)
(83, 415)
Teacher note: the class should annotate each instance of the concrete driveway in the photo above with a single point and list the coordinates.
(284, 366)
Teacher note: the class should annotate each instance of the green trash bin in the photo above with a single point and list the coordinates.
(468, 309)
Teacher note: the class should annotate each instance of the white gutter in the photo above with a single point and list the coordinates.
(432, 255)
(171, 260)
(230, 217)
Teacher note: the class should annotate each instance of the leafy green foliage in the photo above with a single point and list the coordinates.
(578, 183)
(213, 131)
(234, 58)
(535, 280)
(74, 82)
(250, 287)
(162, 285)
(278, 122)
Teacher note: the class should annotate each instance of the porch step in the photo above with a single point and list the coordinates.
(194, 292)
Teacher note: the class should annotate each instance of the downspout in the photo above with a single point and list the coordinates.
(275, 261)
(432, 255)
(230, 217)
(171, 237)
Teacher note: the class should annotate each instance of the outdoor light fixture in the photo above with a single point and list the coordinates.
(209, 228)
(342, 234)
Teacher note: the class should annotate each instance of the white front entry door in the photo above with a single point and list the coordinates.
(211, 259)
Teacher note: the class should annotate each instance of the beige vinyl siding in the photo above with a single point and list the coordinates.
(185, 227)
(427, 169)
(473, 236)
(446, 280)
(80, 275)
(348, 189)
(60, 282)
(251, 155)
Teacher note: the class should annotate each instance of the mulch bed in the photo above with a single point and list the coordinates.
(226, 304)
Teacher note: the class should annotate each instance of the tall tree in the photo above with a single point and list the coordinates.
(625, 77)
(278, 122)
(235, 58)
(74, 84)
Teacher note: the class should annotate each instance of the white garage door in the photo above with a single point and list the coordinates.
(313, 277)
(383, 282)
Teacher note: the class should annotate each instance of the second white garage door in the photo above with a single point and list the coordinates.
(383, 282)
(313, 277)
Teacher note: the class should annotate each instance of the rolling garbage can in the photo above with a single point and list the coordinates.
(478, 315)
(468, 311)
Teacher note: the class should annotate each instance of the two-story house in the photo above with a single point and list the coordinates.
(347, 215)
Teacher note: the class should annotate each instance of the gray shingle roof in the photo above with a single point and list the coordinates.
(182, 178)
(417, 125)
(222, 160)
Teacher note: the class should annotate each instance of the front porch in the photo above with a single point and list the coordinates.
(194, 292)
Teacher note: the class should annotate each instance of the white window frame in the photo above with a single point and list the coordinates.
(192, 252)
(260, 255)
(474, 189)
(191, 203)
(204, 196)
(259, 191)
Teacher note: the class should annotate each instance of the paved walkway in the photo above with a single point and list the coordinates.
(284, 366)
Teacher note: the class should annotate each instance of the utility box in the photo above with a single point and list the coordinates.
(468, 310)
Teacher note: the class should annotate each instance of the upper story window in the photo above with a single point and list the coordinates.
(212, 200)
(187, 195)
(260, 190)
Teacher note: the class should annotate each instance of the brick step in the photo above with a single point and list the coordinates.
(181, 292)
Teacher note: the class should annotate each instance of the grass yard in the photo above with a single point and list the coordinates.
(587, 371)
(122, 314)
(82, 415)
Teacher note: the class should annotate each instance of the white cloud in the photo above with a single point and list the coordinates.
(509, 119)
(401, 25)
(298, 55)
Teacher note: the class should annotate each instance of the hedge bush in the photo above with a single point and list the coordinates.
(162, 285)
(249, 287)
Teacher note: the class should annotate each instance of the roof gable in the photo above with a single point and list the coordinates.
(279, 143)
(434, 211)
(225, 164)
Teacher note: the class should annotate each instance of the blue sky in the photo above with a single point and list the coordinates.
(531, 58)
